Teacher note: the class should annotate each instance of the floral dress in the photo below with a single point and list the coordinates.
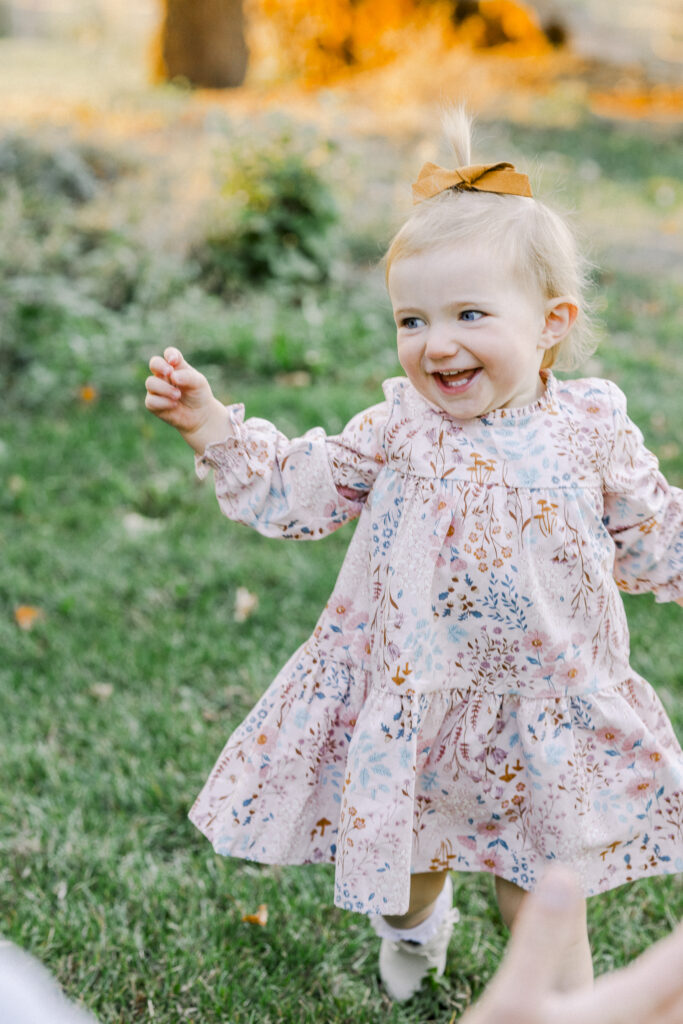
(465, 701)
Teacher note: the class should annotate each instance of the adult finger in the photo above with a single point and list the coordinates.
(648, 990)
(544, 929)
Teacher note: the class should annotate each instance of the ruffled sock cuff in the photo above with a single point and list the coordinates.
(424, 931)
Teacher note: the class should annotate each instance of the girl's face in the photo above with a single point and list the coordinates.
(471, 337)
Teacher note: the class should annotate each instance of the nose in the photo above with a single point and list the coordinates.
(441, 342)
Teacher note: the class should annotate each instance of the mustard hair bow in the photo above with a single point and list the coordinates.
(501, 178)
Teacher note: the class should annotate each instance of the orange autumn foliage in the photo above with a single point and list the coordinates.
(319, 40)
(661, 102)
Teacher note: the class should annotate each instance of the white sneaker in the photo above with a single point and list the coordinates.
(404, 964)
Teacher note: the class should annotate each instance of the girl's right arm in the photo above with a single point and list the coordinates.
(181, 396)
(303, 488)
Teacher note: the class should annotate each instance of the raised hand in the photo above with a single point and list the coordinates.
(181, 396)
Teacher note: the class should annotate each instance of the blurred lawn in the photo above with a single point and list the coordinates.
(119, 698)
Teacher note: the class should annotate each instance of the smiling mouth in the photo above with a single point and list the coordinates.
(456, 381)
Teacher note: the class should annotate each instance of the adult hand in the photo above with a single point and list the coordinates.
(648, 991)
(29, 995)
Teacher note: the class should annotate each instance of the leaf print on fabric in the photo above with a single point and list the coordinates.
(504, 604)
(369, 768)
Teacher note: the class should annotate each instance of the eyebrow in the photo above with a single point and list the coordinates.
(450, 307)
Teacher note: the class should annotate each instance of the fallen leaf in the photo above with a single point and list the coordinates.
(102, 691)
(88, 394)
(245, 604)
(260, 917)
(26, 616)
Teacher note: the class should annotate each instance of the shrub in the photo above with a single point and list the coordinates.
(274, 217)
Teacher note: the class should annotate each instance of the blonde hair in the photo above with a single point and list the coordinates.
(537, 240)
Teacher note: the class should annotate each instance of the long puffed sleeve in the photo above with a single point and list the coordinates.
(643, 513)
(302, 488)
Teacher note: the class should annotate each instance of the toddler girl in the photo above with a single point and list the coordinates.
(465, 701)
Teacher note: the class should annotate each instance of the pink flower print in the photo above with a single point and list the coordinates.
(342, 616)
(468, 842)
(266, 740)
(640, 787)
(648, 758)
(489, 860)
(535, 641)
(609, 736)
(491, 829)
(570, 673)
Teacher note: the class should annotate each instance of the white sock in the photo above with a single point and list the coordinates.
(424, 931)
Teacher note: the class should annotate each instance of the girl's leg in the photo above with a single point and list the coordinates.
(577, 966)
(424, 892)
(416, 942)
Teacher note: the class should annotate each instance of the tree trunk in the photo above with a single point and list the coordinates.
(203, 42)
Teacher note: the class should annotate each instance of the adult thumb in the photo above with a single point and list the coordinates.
(545, 927)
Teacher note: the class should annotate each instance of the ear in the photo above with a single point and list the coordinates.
(560, 315)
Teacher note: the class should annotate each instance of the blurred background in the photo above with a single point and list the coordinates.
(225, 176)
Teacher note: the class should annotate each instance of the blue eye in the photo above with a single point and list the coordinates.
(470, 315)
(411, 322)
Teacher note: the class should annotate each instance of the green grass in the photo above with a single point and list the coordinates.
(101, 874)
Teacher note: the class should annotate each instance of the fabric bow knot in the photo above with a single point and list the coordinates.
(501, 178)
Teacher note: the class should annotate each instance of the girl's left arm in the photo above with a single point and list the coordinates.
(643, 513)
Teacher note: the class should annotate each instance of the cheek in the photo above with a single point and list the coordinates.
(409, 358)
(403, 350)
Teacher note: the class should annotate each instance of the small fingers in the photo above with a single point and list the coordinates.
(174, 356)
(187, 378)
(159, 403)
(162, 388)
(160, 367)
